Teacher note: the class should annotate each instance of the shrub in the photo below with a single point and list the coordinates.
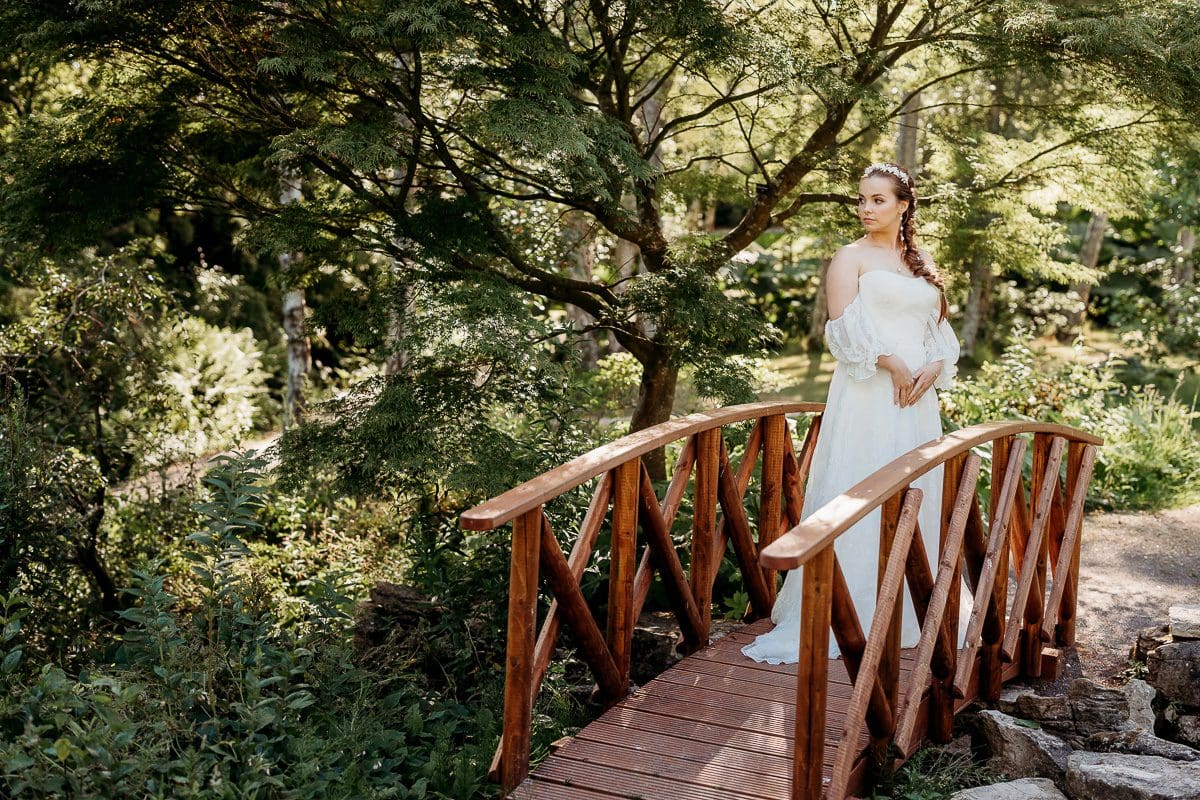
(1151, 452)
(935, 773)
(219, 700)
(1037, 309)
(213, 385)
(1155, 313)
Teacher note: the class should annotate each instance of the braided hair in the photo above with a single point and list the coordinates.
(905, 188)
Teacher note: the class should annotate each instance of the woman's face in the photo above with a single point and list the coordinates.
(878, 206)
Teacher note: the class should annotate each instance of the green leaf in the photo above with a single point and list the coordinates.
(10, 662)
(300, 700)
(18, 762)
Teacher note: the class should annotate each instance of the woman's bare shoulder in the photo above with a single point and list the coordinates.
(847, 260)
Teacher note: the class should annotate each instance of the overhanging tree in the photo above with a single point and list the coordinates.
(521, 119)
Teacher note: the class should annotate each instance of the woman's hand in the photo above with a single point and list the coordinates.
(922, 380)
(902, 378)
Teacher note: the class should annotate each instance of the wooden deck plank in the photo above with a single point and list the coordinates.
(733, 687)
(645, 726)
(714, 725)
(776, 722)
(714, 767)
(625, 783)
(691, 735)
(533, 789)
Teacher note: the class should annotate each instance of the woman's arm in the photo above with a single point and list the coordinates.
(841, 283)
(849, 333)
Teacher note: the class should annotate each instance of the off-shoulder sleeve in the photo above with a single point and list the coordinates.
(854, 341)
(941, 344)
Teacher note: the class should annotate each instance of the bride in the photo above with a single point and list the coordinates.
(889, 334)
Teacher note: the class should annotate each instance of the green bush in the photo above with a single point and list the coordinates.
(935, 773)
(213, 389)
(1038, 309)
(1154, 312)
(46, 506)
(220, 700)
(1151, 452)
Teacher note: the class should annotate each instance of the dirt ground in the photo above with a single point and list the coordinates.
(1133, 566)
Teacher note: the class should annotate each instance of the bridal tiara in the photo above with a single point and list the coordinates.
(891, 169)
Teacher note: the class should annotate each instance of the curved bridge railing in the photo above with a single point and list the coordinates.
(625, 487)
(1005, 635)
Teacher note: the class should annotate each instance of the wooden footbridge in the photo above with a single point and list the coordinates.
(718, 725)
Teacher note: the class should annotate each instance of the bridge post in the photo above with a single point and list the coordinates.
(518, 668)
(941, 707)
(812, 678)
(623, 562)
(889, 660)
(1064, 633)
(770, 503)
(705, 557)
(1044, 485)
(991, 666)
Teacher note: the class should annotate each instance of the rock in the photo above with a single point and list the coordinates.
(1023, 789)
(1051, 711)
(1175, 671)
(1117, 776)
(654, 639)
(1140, 742)
(1009, 696)
(391, 607)
(958, 746)
(1139, 696)
(1020, 751)
(1088, 707)
(1188, 729)
(1185, 622)
(1148, 640)
(1096, 707)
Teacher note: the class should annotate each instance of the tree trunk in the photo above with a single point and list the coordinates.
(1089, 256)
(581, 252)
(299, 355)
(979, 304)
(629, 259)
(978, 310)
(908, 134)
(815, 341)
(397, 356)
(1185, 264)
(87, 555)
(655, 400)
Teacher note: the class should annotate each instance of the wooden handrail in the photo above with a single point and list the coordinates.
(625, 489)
(535, 492)
(1045, 532)
(825, 524)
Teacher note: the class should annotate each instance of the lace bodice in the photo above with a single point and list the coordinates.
(893, 314)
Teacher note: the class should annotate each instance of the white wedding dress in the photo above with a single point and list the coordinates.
(861, 430)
